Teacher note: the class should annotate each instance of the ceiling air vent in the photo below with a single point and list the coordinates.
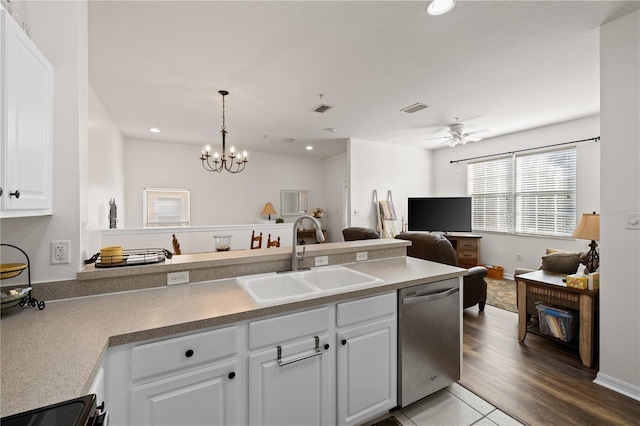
(414, 108)
(322, 108)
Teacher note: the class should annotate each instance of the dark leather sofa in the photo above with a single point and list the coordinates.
(357, 233)
(437, 248)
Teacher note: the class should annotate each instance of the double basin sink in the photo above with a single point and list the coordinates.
(271, 288)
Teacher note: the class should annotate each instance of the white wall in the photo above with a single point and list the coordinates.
(500, 249)
(217, 198)
(59, 29)
(335, 176)
(405, 171)
(106, 179)
(620, 194)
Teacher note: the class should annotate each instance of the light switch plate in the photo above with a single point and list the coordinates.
(361, 255)
(321, 260)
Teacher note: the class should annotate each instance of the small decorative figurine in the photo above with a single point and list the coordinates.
(176, 245)
(113, 214)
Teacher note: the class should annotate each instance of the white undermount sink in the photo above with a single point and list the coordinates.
(266, 289)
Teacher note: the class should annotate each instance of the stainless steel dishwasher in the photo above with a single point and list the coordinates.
(429, 339)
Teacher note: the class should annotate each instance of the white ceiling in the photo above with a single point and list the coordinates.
(506, 66)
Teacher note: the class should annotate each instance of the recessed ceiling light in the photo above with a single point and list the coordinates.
(330, 130)
(154, 130)
(440, 7)
(309, 148)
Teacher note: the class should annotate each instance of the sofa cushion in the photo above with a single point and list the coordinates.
(563, 262)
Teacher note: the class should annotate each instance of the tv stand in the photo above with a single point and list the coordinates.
(467, 247)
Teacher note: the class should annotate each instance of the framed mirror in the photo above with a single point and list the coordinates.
(294, 202)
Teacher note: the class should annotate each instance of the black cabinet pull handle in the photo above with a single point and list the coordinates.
(232, 375)
(344, 342)
(1, 191)
(15, 194)
(189, 353)
(326, 346)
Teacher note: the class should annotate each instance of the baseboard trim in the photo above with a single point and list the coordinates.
(618, 385)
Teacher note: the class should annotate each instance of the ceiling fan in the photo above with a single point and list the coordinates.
(457, 136)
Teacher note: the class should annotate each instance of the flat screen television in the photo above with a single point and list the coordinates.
(439, 214)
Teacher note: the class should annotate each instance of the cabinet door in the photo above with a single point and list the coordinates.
(207, 396)
(367, 371)
(293, 394)
(27, 143)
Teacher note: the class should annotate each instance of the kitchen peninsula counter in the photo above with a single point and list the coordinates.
(53, 355)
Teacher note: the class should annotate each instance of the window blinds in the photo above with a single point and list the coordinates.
(527, 194)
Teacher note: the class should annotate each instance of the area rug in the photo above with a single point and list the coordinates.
(501, 294)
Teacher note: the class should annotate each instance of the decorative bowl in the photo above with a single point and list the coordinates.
(10, 270)
(11, 300)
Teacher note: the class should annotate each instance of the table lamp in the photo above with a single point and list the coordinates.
(268, 210)
(589, 229)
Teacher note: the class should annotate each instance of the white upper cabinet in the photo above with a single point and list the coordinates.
(26, 118)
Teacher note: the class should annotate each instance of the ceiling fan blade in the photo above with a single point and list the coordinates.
(473, 138)
(439, 137)
(476, 132)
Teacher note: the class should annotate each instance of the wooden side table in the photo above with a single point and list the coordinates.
(549, 287)
(467, 247)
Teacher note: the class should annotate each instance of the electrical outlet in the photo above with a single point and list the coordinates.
(60, 252)
(519, 256)
(361, 255)
(321, 260)
(178, 278)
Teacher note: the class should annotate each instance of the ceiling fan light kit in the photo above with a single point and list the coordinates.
(457, 136)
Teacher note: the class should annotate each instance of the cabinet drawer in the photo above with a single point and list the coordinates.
(466, 254)
(167, 355)
(467, 244)
(277, 330)
(366, 309)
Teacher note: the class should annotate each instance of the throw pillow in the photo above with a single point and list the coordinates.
(549, 251)
(563, 262)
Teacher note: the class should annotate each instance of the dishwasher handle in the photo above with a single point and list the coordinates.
(429, 297)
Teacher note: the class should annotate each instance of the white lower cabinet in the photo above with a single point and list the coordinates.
(196, 379)
(206, 396)
(296, 393)
(290, 370)
(335, 364)
(366, 358)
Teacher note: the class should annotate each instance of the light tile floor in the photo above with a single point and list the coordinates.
(452, 406)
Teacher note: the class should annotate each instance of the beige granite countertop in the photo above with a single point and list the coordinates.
(53, 355)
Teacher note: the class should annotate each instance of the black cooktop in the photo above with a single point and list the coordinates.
(75, 412)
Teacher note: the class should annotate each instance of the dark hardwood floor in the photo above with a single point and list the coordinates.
(538, 382)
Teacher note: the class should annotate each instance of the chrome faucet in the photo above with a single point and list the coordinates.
(295, 256)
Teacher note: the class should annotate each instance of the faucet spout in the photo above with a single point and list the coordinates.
(295, 256)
